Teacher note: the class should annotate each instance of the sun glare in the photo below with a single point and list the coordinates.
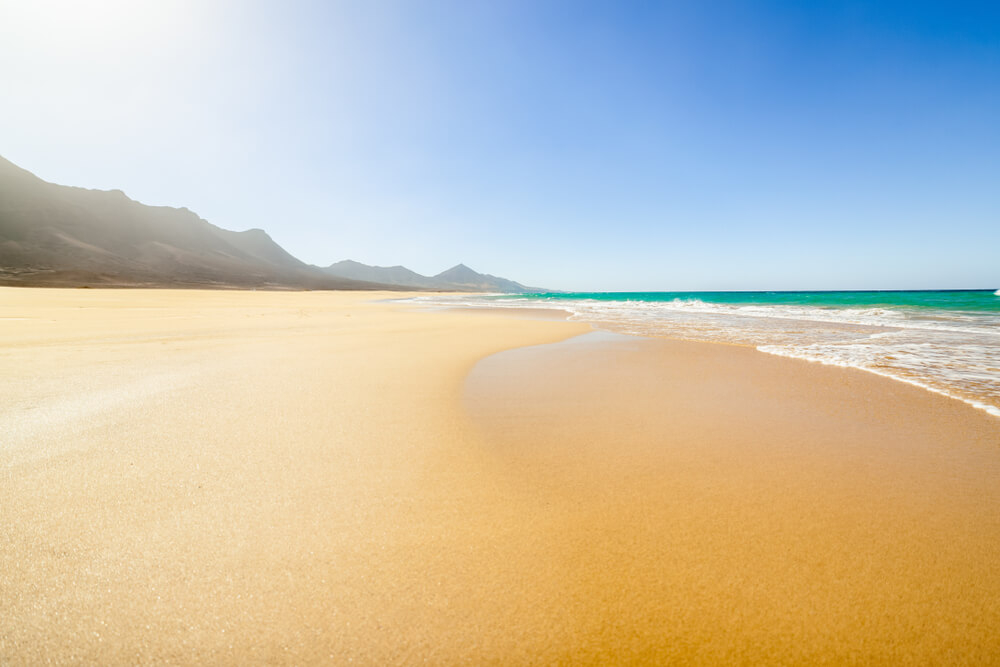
(69, 26)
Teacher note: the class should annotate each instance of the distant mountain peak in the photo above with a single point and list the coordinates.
(345, 263)
(459, 273)
(458, 278)
(399, 276)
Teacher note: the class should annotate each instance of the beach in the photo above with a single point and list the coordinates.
(231, 477)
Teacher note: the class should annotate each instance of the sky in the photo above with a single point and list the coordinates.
(572, 145)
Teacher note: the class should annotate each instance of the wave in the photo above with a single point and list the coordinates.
(954, 353)
(884, 318)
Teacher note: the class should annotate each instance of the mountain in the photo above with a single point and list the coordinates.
(458, 278)
(463, 278)
(65, 236)
(389, 275)
(57, 235)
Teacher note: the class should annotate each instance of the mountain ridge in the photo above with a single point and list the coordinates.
(60, 235)
(68, 236)
(459, 278)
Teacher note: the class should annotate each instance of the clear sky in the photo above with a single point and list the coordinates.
(576, 145)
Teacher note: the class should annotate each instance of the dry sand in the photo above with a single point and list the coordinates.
(233, 477)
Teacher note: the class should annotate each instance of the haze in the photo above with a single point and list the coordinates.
(597, 146)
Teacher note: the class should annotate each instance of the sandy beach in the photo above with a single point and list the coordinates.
(224, 477)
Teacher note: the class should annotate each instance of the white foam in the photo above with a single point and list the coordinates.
(800, 354)
(950, 353)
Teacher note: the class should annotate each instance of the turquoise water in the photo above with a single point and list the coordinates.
(984, 301)
(945, 341)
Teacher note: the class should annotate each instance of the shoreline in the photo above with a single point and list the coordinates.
(232, 477)
(992, 410)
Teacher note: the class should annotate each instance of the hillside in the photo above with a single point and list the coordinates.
(63, 236)
(66, 236)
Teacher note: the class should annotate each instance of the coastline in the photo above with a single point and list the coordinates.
(944, 341)
(301, 477)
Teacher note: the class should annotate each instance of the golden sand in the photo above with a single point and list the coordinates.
(233, 477)
(714, 504)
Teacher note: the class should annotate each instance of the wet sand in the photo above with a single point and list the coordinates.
(715, 504)
(232, 477)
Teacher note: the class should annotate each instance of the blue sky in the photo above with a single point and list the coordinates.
(576, 145)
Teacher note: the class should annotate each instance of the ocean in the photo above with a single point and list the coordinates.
(945, 341)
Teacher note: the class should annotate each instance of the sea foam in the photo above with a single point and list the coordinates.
(952, 352)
